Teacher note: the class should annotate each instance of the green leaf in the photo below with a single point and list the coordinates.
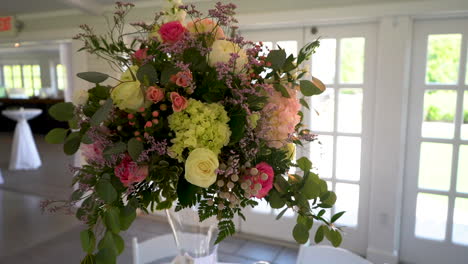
(119, 243)
(308, 88)
(320, 234)
(147, 74)
(88, 241)
(280, 88)
(237, 124)
(304, 164)
(301, 233)
(111, 219)
(99, 93)
(117, 148)
(135, 148)
(102, 113)
(186, 192)
(106, 191)
(306, 221)
(127, 216)
(56, 136)
(62, 111)
(88, 259)
(336, 216)
(311, 188)
(107, 241)
(86, 139)
(167, 72)
(334, 236)
(329, 198)
(72, 143)
(275, 199)
(93, 77)
(304, 103)
(106, 256)
(276, 58)
(76, 195)
(282, 213)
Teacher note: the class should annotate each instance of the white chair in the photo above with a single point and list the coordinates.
(153, 249)
(328, 255)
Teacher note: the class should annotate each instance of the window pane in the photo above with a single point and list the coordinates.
(8, 76)
(348, 158)
(350, 110)
(439, 113)
(352, 60)
(435, 166)
(348, 200)
(262, 208)
(27, 79)
(37, 77)
(462, 173)
(429, 225)
(321, 155)
(464, 126)
(460, 221)
(290, 46)
(322, 111)
(324, 61)
(17, 80)
(443, 58)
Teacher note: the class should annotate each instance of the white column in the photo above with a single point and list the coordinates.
(390, 118)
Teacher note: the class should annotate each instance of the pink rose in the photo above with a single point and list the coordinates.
(140, 55)
(205, 25)
(179, 102)
(182, 79)
(154, 94)
(129, 172)
(93, 152)
(172, 32)
(261, 178)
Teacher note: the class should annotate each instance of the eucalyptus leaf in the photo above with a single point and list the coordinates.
(56, 136)
(127, 216)
(119, 243)
(147, 74)
(301, 233)
(336, 216)
(283, 90)
(106, 191)
(111, 219)
(308, 88)
(117, 148)
(106, 256)
(311, 188)
(304, 164)
(306, 221)
(135, 148)
(275, 199)
(72, 143)
(102, 113)
(304, 103)
(329, 198)
(282, 213)
(88, 241)
(276, 58)
(64, 111)
(93, 77)
(320, 234)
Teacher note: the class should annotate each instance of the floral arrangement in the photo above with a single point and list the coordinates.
(198, 117)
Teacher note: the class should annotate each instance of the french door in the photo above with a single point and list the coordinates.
(435, 217)
(342, 119)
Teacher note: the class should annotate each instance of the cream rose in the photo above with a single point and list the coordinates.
(221, 52)
(200, 167)
(128, 95)
(80, 97)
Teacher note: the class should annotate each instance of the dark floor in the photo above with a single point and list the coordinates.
(29, 237)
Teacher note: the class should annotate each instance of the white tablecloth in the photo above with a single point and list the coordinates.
(24, 154)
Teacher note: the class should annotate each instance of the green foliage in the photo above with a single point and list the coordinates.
(308, 88)
(135, 148)
(280, 88)
(275, 199)
(127, 216)
(56, 136)
(300, 233)
(237, 124)
(147, 74)
(304, 103)
(106, 191)
(88, 241)
(320, 233)
(277, 58)
(102, 113)
(112, 220)
(72, 143)
(93, 77)
(187, 193)
(306, 51)
(116, 148)
(226, 229)
(62, 111)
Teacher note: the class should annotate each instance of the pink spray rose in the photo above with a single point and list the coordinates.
(154, 94)
(129, 172)
(182, 79)
(261, 179)
(172, 32)
(179, 102)
(140, 55)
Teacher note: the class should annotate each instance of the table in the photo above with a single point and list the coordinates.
(24, 154)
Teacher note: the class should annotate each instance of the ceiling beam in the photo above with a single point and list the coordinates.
(90, 7)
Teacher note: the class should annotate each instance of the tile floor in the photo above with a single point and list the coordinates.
(29, 237)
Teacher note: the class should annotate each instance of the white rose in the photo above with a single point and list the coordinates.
(200, 167)
(221, 52)
(128, 95)
(80, 97)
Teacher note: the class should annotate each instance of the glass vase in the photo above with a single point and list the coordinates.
(194, 239)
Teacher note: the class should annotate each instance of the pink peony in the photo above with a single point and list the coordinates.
(140, 55)
(93, 152)
(262, 175)
(179, 102)
(154, 94)
(205, 25)
(279, 118)
(172, 31)
(182, 79)
(129, 172)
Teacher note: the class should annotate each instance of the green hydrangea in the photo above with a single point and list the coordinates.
(199, 125)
